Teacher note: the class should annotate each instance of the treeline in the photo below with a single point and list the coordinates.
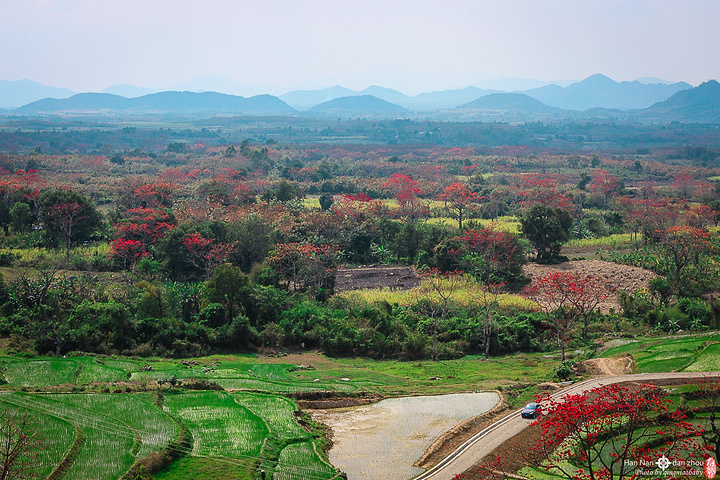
(22, 135)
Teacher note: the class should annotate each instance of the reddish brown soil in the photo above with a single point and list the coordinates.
(617, 277)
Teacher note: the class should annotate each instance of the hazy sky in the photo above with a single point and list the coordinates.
(411, 45)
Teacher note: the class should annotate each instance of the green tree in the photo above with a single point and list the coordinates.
(547, 229)
(229, 287)
(21, 217)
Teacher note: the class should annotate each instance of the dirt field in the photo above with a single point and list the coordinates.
(401, 278)
(617, 277)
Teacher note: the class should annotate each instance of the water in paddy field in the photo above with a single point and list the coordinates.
(383, 440)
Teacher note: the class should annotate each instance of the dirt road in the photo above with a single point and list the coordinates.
(496, 434)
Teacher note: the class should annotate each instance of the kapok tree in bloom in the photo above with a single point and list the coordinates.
(606, 433)
(567, 297)
(685, 245)
(206, 254)
(459, 199)
(407, 192)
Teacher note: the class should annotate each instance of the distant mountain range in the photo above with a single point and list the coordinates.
(179, 103)
(15, 94)
(599, 91)
(597, 97)
(698, 105)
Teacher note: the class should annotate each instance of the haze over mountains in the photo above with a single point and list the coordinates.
(596, 97)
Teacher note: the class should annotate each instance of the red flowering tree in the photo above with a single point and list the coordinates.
(605, 185)
(155, 194)
(147, 225)
(407, 192)
(490, 254)
(535, 189)
(459, 199)
(566, 297)
(611, 432)
(205, 254)
(701, 216)
(128, 252)
(685, 245)
(685, 185)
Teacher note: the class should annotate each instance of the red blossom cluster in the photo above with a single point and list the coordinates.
(407, 192)
(536, 189)
(155, 194)
(608, 431)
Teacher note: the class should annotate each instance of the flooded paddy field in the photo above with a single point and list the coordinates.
(383, 440)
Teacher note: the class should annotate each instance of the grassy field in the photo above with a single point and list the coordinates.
(465, 296)
(691, 353)
(618, 240)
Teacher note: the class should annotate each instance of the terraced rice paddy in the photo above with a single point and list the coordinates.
(681, 353)
(232, 432)
(108, 439)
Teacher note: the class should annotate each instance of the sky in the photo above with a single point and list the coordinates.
(410, 45)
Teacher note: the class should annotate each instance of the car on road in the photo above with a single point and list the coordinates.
(531, 410)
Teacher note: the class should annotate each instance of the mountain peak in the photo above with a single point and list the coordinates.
(598, 79)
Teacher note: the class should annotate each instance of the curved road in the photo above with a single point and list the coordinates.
(487, 440)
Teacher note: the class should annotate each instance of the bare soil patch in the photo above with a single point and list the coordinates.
(401, 278)
(607, 366)
(617, 277)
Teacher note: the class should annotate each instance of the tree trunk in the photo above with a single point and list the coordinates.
(488, 333)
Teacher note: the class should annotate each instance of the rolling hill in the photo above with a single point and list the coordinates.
(599, 91)
(306, 99)
(696, 105)
(180, 103)
(363, 105)
(509, 106)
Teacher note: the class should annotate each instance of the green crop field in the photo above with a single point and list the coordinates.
(138, 412)
(277, 412)
(300, 461)
(691, 353)
(220, 426)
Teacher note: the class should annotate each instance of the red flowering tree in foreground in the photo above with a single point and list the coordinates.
(567, 297)
(611, 431)
(19, 444)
